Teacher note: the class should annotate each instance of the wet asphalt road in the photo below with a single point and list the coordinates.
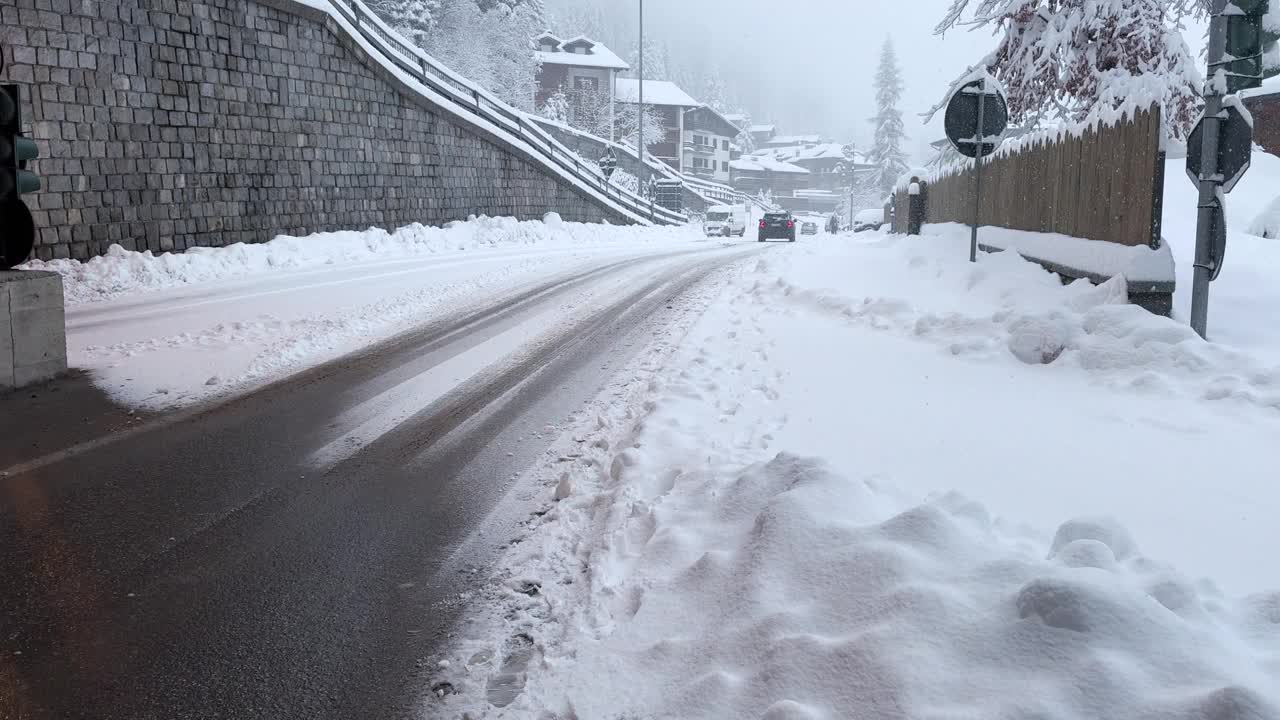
(200, 565)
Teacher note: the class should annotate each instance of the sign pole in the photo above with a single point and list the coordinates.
(1209, 204)
(977, 173)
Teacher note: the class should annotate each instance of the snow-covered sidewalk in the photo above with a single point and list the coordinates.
(169, 330)
(878, 481)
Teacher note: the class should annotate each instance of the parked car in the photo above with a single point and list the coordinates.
(725, 220)
(778, 226)
(871, 219)
(809, 228)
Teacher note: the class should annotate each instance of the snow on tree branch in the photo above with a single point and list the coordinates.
(1072, 59)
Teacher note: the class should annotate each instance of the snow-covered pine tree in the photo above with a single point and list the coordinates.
(712, 92)
(886, 151)
(514, 67)
(414, 19)
(847, 168)
(745, 140)
(556, 107)
(627, 119)
(536, 6)
(1069, 59)
(492, 49)
(655, 61)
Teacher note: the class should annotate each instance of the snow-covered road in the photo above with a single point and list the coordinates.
(872, 478)
(213, 552)
(879, 481)
(173, 330)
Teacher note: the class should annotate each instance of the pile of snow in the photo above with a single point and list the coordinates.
(1137, 263)
(163, 331)
(1005, 305)
(762, 530)
(122, 272)
(1245, 299)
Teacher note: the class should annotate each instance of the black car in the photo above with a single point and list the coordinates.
(778, 226)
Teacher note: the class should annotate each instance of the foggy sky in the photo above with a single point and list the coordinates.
(809, 64)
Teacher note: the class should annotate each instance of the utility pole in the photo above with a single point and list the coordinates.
(640, 107)
(1210, 204)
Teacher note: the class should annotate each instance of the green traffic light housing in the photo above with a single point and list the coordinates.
(27, 181)
(17, 231)
(1250, 46)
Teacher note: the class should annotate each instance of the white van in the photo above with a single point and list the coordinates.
(725, 220)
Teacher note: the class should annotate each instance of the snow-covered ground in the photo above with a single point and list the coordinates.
(1244, 301)
(875, 480)
(169, 330)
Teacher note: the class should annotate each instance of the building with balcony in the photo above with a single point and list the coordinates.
(587, 72)
(708, 141)
(670, 104)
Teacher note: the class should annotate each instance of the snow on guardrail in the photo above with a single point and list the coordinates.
(475, 105)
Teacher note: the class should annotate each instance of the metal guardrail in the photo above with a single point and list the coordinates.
(708, 189)
(465, 95)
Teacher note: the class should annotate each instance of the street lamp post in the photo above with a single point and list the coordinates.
(640, 107)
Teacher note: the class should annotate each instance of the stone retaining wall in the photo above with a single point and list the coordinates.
(169, 124)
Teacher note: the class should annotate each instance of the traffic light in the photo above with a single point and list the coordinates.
(1251, 45)
(17, 231)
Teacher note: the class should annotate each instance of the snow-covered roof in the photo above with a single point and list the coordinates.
(762, 128)
(823, 151)
(782, 140)
(795, 153)
(1270, 86)
(597, 55)
(757, 163)
(738, 119)
(706, 116)
(656, 92)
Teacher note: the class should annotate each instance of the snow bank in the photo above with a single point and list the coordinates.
(122, 272)
(773, 531)
(1007, 306)
(1245, 299)
(1135, 263)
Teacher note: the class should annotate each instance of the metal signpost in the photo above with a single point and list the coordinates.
(975, 121)
(1219, 149)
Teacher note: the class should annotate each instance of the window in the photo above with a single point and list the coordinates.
(724, 165)
(586, 83)
(699, 140)
(724, 144)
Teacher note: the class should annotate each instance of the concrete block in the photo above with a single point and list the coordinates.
(33, 289)
(39, 336)
(33, 334)
(6, 342)
(38, 373)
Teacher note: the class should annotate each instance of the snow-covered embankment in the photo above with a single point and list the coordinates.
(878, 481)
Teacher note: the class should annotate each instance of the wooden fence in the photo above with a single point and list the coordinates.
(1106, 183)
